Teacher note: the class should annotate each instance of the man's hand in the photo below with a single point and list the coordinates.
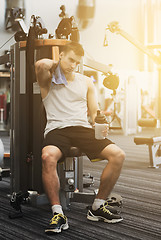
(106, 131)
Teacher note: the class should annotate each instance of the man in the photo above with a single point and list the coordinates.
(67, 96)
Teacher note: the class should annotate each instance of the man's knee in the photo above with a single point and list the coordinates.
(119, 156)
(114, 154)
(50, 155)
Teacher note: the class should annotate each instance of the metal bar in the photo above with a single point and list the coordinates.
(4, 59)
(151, 156)
(114, 28)
(96, 65)
(140, 46)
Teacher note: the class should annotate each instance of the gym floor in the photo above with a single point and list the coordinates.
(139, 186)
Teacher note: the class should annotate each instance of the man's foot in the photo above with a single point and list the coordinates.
(103, 214)
(57, 223)
(110, 208)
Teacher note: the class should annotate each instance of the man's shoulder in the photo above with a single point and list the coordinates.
(82, 76)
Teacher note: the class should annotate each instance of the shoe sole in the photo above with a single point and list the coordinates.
(63, 227)
(100, 218)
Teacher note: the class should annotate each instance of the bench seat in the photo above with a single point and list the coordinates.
(147, 140)
(154, 145)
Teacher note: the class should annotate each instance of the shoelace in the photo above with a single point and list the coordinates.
(56, 218)
(105, 210)
(107, 205)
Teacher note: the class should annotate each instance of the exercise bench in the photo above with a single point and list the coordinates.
(154, 145)
(71, 175)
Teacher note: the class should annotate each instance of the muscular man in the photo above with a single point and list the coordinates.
(67, 95)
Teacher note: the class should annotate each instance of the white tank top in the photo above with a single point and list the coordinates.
(66, 105)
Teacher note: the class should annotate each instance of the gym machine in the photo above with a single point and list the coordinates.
(26, 166)
(28, 122)
(154, 141)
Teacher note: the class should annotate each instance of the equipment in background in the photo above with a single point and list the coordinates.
(15, 201)
(15, 11)
(148, 116)
(153, 141)
(85, 13)
(114, 114)
(38, 26)
(67, 28)
(154, 146)
(14, 15)
(114, 28)
(147, 122)
(111, 82)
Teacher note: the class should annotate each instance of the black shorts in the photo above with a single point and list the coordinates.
(76, 136)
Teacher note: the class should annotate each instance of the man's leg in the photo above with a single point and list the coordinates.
(50, 157)
(111, 172)
(100, 210)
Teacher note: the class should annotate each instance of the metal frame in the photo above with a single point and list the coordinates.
(154, 157)
(25, 175)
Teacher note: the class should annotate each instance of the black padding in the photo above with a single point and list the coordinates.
(75, 152)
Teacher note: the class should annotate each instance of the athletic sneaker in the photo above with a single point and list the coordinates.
(110, 208)
(103, 214)
(57, 223)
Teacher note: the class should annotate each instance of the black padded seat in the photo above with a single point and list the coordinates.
(75, 152)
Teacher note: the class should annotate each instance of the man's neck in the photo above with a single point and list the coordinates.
(70, 77)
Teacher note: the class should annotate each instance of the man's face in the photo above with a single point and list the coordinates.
(69, 61)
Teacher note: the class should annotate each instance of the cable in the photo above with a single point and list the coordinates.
(7, 41)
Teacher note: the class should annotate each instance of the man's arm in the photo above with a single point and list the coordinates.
(92, 102)
(44, 69)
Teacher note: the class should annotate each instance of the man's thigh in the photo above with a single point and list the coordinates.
(86, 141)
(59, 139)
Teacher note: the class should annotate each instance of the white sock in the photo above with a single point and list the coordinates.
(57, 209)
(97, 203)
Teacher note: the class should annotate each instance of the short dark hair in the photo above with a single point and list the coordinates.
(75, 47)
